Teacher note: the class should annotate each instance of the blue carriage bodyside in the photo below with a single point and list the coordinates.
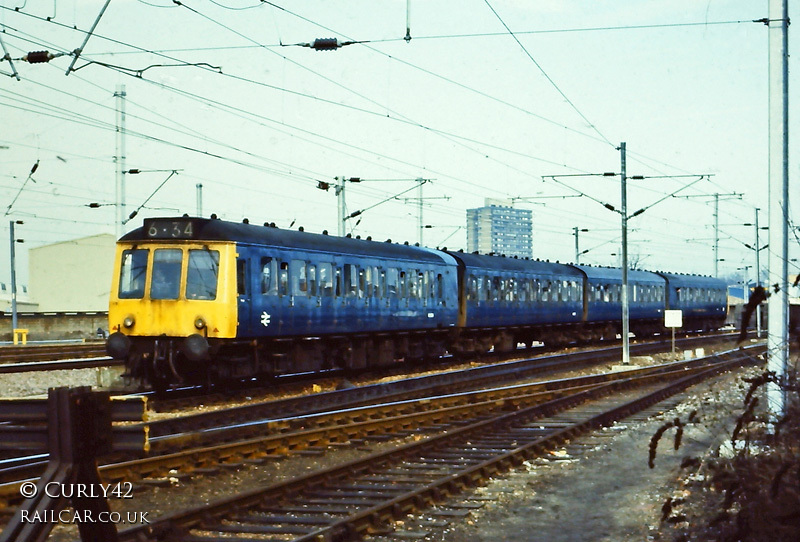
(604, 290)
(294, 284)
(511, 292)
(696, 296)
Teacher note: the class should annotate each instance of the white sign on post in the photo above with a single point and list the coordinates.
(673, 318)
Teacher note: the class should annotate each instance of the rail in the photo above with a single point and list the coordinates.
(75, 426)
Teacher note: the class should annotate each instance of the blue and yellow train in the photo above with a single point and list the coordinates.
(197, 300)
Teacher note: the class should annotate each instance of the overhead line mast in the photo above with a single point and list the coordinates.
(778, 306)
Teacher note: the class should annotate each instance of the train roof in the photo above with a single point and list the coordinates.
(484, 261)
(211, 229)
(615, 274)
(693, 281)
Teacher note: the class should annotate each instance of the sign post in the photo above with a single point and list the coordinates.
(673, 319)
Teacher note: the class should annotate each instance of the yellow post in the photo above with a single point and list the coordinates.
(21, 333)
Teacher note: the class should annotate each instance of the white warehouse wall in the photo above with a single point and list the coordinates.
(72, 276)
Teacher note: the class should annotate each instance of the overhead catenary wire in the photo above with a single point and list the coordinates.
(549, 79)
(362, 110)
(453, 135)
(483, 187)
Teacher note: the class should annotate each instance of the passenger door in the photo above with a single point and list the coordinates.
(244, 295)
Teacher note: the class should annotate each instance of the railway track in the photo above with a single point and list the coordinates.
(540, 362)
(472, 443)
(245, 418)
(189, 450)
(50, 352)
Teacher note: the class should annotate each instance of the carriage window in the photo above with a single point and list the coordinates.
(476, 288)
(268, 283)
(391, 282)
(299, 278)
(350, 280)
(132, 273)
(362, 284)
(283, 279)
(412, 284)
(166, 280)
(545, 291)
(376, 290)
(440, 286)
(472, 288)
(497, 286)
(312, 280)
(368, 280)
(325, 280)
(522, 290)
(201, 275)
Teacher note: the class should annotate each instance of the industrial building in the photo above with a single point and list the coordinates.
(72, 276)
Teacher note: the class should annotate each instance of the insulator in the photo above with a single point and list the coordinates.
(326, 44)
(35, 57)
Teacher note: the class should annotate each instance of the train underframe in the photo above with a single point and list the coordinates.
(161, 362)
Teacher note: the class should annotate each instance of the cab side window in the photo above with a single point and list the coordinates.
(132, 273)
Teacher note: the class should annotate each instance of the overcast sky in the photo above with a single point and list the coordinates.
(487, 99)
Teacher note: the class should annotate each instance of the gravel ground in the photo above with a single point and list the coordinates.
(37, 382)
(600, 488)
